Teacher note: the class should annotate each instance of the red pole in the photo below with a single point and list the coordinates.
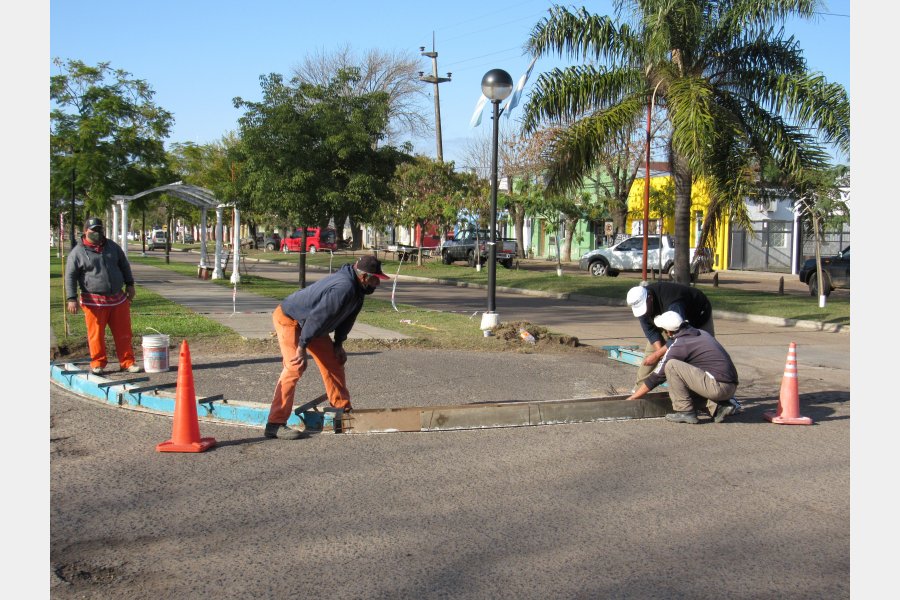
(647, 192)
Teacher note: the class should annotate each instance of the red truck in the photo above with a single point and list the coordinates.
(317, 238)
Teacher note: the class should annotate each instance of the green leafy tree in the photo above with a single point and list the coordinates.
(309, 154)
(431, 191)
(106, 134)
(357, 169)
(733, 90)
(282, 170)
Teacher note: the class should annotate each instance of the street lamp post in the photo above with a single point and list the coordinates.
(496, 85)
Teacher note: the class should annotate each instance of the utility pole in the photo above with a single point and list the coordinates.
(433, 78)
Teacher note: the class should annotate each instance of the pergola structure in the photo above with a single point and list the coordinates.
(197, 196)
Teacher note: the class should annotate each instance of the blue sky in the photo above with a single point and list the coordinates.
(197, 54)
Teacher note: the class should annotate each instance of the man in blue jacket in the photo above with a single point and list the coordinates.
(697, 368)
(303, 322)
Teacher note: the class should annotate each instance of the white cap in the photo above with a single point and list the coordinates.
(670, 321)
(637, 300)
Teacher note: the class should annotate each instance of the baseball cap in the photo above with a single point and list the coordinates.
(637, 300)
(93, 223)
(669, 320)
(371, 265)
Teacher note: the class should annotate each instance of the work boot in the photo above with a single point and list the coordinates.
(723, 410)
(97, 370)
(687, 416)
(282, 432)
(134, 368)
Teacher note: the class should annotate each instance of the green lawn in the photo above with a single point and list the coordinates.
(836, 310)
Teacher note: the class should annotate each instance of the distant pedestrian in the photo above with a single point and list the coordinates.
(303, 322)
(99, 267)
(648, 302)
(698, 370)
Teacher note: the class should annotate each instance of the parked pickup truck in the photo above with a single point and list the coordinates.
(463, 247)
(628, 255)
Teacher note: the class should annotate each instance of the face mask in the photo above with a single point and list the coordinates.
(94, 237)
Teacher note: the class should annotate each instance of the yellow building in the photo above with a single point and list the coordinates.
(662, 203)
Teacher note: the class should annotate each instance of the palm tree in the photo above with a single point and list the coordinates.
(733, 89)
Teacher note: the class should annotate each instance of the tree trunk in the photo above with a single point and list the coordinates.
(356, 234)
(517, 214)
(570, 229)
(683, 178)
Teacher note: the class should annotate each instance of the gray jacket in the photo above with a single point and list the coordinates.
(698, 349)
(103, 272)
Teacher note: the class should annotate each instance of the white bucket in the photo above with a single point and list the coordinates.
(156, 353)
(489, 320)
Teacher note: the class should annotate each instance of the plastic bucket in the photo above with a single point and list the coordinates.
(489, 320)
(156, 353)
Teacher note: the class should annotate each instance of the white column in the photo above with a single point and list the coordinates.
(236, 261)
(114, 233)
(203, 230)
(217, 269)
(124, 226)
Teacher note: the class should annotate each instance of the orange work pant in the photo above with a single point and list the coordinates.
(118, 317)
(322, 350)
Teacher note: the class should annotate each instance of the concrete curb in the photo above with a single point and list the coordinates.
(94, 387)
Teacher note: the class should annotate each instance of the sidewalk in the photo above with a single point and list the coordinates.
(248, 314)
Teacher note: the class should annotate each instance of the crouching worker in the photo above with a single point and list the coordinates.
(697, 368)
(303, 322)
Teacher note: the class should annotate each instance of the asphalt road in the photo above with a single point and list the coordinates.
(633, 509)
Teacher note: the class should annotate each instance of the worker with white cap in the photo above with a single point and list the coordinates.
(697, 369)
(650, 301)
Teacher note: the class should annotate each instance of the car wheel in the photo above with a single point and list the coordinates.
(312, 249)
(508, 263)
(285, 249)
(470, 258)
(270, 247)
(814, 284)
(445, 257)
(599, 268)
(671, 272)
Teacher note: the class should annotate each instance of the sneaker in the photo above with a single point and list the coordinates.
(282, 432)
(738, 407)
(683, 417)
(134, 368)
(723, 410)
(97, 370)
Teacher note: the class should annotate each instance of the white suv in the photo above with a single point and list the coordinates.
(157, 240)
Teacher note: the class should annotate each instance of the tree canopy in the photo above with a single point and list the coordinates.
(106, 133)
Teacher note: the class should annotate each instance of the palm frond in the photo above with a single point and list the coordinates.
(579, 34)
(575, 150)
(565, 95)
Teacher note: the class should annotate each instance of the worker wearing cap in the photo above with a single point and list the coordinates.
(697, 368)
(99, 267)
(650, 301)
(303, 322)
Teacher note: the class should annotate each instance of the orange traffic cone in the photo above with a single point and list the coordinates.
(185, 428)
(788, 412)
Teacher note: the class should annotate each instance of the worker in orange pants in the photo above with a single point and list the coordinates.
(99, 268)
(118, 318)
(303, 322)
